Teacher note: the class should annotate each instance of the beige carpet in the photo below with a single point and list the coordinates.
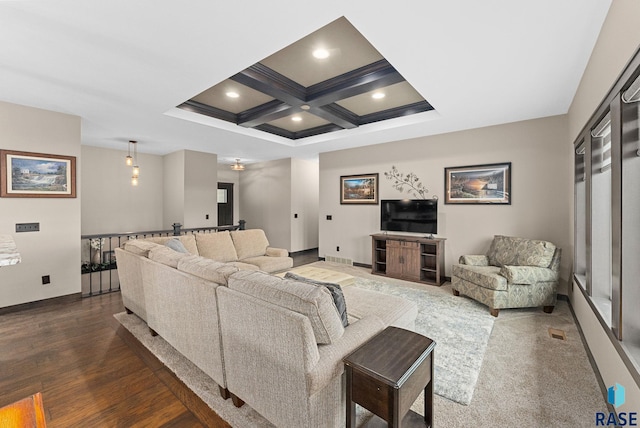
(527, 378)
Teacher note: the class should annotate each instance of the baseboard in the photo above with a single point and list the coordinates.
(302, 252)
(363, 265)
(41, 303)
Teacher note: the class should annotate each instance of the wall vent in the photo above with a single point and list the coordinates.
(341, 260)
(557, 334)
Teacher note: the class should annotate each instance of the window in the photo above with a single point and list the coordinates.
(607, 213)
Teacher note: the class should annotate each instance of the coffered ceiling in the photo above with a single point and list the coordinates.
(146, 70)
(330, 80)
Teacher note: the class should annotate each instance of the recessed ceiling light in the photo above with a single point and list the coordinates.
(321, 53)
(296, 118)
(232, 94)
(378, 95)
(305, 107)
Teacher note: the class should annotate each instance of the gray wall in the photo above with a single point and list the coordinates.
(541, 189)
(618, 41)
(190, 189)
(55, 250)
(273, 192)
(266, 200)
(227, 175)
(110, 203)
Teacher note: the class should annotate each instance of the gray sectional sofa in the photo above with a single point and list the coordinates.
(274, 343)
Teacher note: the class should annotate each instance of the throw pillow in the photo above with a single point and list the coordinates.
(176, 245)
(336, 293)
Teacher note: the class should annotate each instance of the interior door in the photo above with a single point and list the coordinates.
(225, 204)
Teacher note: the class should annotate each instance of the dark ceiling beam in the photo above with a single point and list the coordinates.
(263, 79)
(264, 113)
(392, 113)
(364, 79)
(337, 115)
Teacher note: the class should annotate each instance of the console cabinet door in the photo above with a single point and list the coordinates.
(394, 258)
(411, 261)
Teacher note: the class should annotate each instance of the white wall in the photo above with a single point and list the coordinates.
(110, 203)
(305, 188)
(227, 175)
(55, 249)
(541, 189)
(618, 41)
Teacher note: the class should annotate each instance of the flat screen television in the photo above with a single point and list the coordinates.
(409, 215)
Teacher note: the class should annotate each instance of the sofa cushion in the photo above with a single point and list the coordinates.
(244, 266)
(484, 276)
(392, 310)
(176, 245)
(270, 264)
(207, 269)
(313, 302)
(139, 246)
(189, 241)
(216, 246)
(334, 289)
(166, 256)
(249, 243)
(513, 251)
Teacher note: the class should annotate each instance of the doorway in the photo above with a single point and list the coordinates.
(225, 204)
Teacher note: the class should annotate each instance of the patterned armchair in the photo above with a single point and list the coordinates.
(515, 273)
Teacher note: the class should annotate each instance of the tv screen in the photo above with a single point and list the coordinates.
(409, 215)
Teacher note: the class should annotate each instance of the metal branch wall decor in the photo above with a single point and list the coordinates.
(409, 182)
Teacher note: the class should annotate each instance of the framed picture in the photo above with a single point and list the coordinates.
(36, 175)
(478, 184)
(359, 189)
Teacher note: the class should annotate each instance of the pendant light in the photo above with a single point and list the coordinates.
(129, 160)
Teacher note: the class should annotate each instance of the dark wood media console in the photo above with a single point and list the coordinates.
(409, 257)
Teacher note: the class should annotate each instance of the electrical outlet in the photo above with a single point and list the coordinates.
(295, 216)
(337, 248)
(46, 279)
(329, 217)
(206, 217)
(27, 227)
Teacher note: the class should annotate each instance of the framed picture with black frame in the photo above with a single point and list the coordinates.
(359, 189)
(478, 184)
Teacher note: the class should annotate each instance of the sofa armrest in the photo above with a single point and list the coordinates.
(474, 260)
(527, 275)
(276, 252)
(330, 362)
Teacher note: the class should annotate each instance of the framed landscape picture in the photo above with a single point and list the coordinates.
(478, 184)
(359, 189)
(37, 175)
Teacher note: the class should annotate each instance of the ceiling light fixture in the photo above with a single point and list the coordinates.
(232, 94)
(296, 118)
(321, 53)
(378, 95)
(305, 107)
(237, 166)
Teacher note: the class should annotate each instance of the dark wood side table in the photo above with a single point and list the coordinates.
(386, 375)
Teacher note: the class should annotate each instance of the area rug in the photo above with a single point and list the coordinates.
(460, 327)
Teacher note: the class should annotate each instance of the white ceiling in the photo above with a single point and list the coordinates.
(124, 65)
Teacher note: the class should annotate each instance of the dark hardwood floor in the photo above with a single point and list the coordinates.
(91, 371)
